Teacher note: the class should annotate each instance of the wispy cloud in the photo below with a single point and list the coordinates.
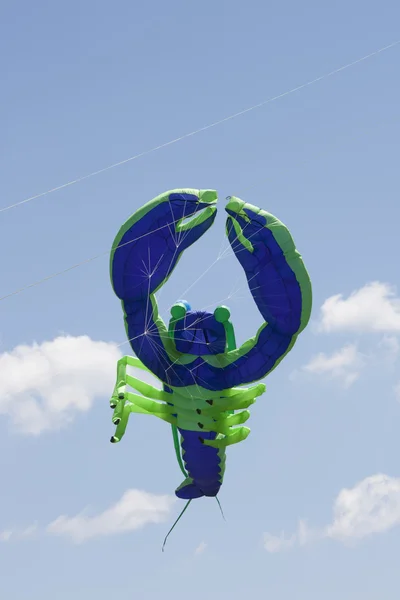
(279, 543)
(372, 308)
(134, 510)
(18, 534)
(372, 506)
(200, 548)
(344, 365)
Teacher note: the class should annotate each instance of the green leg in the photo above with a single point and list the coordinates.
(141, 405)
(224, 426)
(124, 379)
(237, 435)
(145, 388)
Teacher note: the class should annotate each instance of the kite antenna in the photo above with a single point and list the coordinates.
(220, 507)
(176, 522)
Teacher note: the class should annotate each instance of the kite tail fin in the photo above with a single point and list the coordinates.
(176, 522)
(188, 490)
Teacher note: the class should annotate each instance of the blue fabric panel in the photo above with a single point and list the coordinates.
(200, 334)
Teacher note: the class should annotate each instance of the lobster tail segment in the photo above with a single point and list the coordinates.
(203, 464)
(188, 490)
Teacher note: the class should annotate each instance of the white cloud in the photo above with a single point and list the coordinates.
(373, 308)
(278, 543)
(18, 534)
(29, 531)
(344, 364)
(43, 386)
(200, 548)
(6, 535)
(134, 510)
(371, 506)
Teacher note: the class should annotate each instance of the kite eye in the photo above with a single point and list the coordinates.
(179, 309)
(222, 314)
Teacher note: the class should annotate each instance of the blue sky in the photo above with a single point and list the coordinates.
(88, 84)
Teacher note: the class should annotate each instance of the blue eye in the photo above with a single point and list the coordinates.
(185, 303)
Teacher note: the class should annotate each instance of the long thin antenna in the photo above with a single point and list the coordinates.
(176, 522)
(220, 507)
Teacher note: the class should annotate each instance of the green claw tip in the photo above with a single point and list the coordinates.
(234, 204)
(208, 196)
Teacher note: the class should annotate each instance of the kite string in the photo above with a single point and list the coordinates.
(83, 262)
(232, 294)
(72, 267)
(205, 128)
(105, 253)
(157, 346)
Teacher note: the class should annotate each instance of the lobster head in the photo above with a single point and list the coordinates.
(198, 332)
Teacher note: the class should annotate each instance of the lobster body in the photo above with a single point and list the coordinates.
(203, 397)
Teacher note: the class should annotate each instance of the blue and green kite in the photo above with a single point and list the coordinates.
(195, 357)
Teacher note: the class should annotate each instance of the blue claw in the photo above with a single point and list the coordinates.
(148, 246)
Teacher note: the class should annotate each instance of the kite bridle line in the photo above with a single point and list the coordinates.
(311, 82)
(206, 127)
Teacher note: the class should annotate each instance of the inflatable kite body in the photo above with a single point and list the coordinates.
(196, 358)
